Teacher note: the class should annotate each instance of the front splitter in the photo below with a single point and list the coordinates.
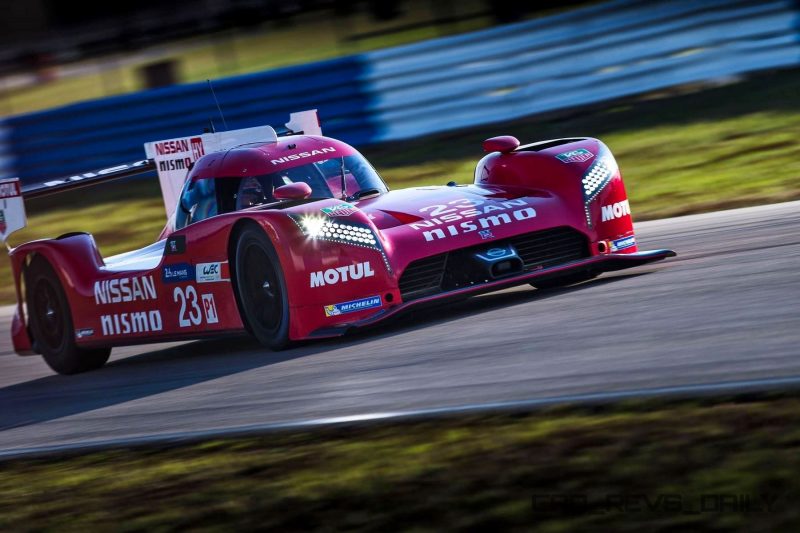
(592, 265)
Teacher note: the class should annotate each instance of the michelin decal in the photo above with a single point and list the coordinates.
(353, 306)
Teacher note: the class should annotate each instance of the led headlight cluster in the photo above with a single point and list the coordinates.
(597, 177)
(325, 228)
(341, 232)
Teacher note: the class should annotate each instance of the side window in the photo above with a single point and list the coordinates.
(198, 202)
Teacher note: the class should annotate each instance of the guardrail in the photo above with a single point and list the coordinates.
(575, 58)
(584, 56)
(6, 155)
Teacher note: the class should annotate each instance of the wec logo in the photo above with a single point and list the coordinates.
(617, 210)
(208, 272)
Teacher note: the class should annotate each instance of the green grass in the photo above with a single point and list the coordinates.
(717, 148)
(457, 473)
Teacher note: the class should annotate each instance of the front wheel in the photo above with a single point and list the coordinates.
(261, 289)
(51, 323)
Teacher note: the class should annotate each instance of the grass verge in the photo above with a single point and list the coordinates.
(664, 465)
(717, 148)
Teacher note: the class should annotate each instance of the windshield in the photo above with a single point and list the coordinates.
(324, 178)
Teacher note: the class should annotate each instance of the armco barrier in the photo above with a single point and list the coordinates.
(584, 56)
(580, 57)
(6, 156)
(108, 131)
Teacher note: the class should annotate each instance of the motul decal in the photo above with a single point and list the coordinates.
(343, 274)
(617, 210)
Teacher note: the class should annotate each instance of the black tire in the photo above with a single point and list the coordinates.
(51, 323)
(261, 288)
(564, 281)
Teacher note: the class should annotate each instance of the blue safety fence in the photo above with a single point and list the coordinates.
(580, 57)
(105, 132)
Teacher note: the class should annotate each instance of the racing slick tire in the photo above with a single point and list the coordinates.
(564, 281)
(261, 288)
(51, 323)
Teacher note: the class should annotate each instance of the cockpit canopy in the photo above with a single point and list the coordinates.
(348, 178)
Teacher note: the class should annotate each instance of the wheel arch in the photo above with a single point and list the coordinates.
(271, 235)
(236, 230)
(69, 256)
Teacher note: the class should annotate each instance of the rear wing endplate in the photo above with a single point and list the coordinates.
(171, 159)
(174, 157)
(12, 208)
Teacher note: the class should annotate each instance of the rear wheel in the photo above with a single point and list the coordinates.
(261, 288)
(51, 323)
(572, 279)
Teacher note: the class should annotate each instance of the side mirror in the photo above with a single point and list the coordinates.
(504, 144)
(293, 191)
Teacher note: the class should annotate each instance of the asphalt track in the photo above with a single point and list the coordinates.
(723, 315)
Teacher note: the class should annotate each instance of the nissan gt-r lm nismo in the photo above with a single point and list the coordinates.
(295, 236)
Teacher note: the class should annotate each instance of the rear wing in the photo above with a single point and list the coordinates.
(12, 208)
(171, 159)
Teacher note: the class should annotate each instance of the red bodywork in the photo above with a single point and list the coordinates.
(180, 288)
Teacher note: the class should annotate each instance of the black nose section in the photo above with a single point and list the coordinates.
(498, 261)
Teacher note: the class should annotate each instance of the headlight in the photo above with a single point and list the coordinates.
(598, 175)
(596, 178)
(324, 228)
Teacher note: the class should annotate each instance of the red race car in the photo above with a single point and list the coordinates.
(295, 236)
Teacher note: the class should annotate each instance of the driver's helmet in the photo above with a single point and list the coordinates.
(251, 193)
